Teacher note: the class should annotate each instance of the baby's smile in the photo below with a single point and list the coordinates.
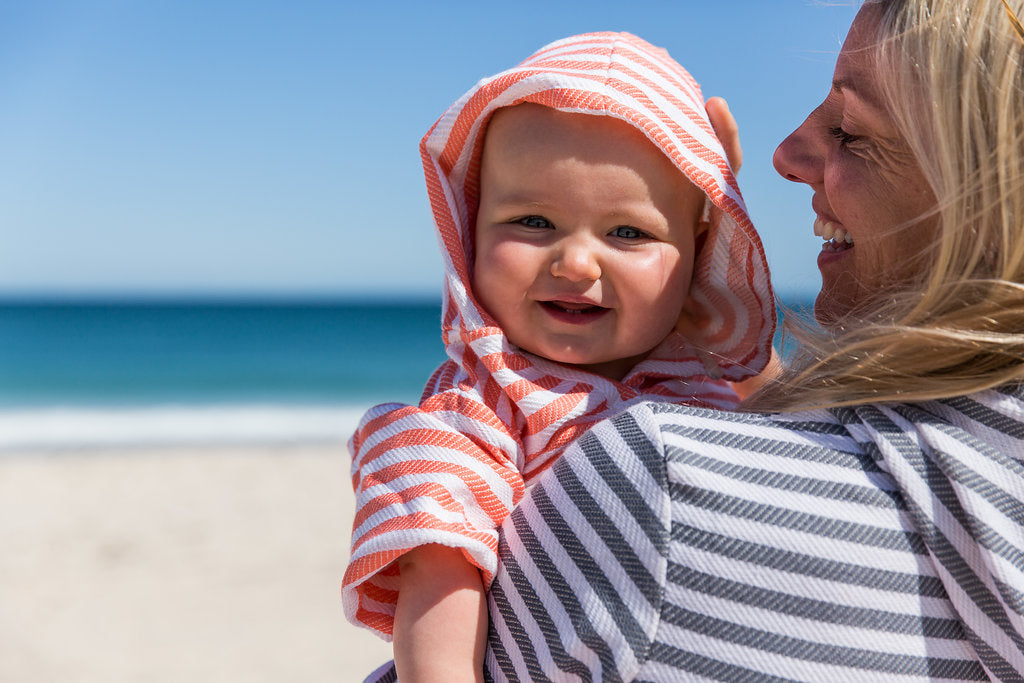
(577, 313)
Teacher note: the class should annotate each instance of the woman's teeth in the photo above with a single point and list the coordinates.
(828, 230)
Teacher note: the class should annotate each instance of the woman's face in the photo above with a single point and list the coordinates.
(866, 182)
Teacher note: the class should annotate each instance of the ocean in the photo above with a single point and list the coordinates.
(102, 374)
(78, 375)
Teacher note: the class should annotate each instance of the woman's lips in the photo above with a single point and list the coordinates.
(574, 313)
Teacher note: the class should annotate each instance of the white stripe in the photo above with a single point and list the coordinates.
(400, 539)
(396, 456)
(428, 504)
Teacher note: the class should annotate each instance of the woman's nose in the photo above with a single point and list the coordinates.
(801, 157)
(576, 261)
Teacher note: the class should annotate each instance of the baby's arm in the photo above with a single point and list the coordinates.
(420, 481)
(441, 618)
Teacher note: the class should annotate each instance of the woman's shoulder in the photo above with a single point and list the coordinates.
(1001, 409)
(805, 424)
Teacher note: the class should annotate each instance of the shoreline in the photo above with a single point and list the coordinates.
(213, 563)
(90, 428)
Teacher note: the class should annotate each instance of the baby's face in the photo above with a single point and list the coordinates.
(584, 237)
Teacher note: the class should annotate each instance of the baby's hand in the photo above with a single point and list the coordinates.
(772, 370)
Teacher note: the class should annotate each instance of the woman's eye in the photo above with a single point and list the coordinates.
(842, 136)
(627, 232)
(535, 222)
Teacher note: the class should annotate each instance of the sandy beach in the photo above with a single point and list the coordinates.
(178, 564)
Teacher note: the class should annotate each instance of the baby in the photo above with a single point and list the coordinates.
(584, 208)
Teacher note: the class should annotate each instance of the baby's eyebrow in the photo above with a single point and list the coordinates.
(519, 200)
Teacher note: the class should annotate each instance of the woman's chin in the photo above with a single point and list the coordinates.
(832, 305)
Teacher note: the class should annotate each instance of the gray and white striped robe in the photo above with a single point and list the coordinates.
(876, 543)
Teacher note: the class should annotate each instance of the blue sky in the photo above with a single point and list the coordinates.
(270, 148)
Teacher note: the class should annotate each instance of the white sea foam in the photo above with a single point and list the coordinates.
(73, 428)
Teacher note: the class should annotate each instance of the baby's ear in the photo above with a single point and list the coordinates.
(703, 226)
(708, 215)
(692, 320)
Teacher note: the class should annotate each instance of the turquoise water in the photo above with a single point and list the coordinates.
(94, 354)
(79, 375)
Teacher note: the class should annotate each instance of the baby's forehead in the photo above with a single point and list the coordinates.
(531, 120)
(531, 131)
(529, 145)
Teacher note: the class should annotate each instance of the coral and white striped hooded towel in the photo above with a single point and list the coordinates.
(492, 417)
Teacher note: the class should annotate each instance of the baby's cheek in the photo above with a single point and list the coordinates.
(501, 278)
(665, 272)
(506, 255)
(669, 281)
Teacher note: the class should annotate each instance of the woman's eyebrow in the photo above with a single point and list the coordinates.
(848, 86)
(844, 85)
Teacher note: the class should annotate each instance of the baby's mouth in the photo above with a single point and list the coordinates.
(836, 238)
(570, 307)
(573, 311)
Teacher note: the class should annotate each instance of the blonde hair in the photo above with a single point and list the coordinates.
(952, 72)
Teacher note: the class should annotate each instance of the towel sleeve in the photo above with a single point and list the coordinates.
(446, 473)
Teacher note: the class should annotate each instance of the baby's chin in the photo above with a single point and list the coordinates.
(613, 368)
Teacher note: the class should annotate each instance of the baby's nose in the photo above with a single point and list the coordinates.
(576, 262)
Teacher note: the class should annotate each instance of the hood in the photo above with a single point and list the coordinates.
(622, 76)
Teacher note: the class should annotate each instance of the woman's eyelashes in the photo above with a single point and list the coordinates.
(842, 136)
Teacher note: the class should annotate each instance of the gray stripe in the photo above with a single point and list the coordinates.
(816, 610)
(984, 415)
(935, 472)
(673, 411)
(1003, 670)
(807, 565)
(646, 453)
(954, 467)
(521, 637)
(819, 525)
(641, 451)
(820, 488)
(707, 667)
(1011, 596)
(621, 551)
(940, 547)
(565, 593)
(792, 450)
(833, 655)
(969, 582)
(597, 580)
(593, 511)
(495, 646)
(996, 542)
(389, 675)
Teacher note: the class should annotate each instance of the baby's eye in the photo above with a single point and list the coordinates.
(627, 232)
(534, 222)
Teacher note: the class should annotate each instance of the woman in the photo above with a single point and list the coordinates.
(865, 521)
